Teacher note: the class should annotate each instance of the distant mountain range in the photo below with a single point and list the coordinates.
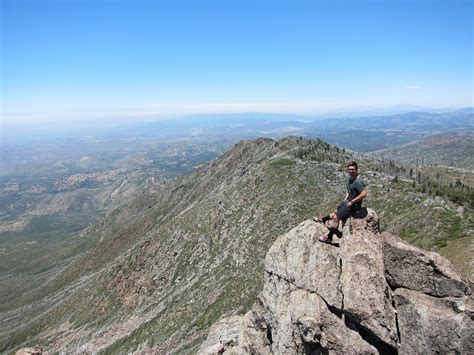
(253, 124)
(449, 150)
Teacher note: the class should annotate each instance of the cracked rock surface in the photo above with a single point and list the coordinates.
(372, 293)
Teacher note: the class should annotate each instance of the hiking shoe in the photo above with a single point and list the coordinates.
(325, 239)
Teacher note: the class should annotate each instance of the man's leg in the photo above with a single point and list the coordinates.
(334, 227)
(322, 219)
(342, 212)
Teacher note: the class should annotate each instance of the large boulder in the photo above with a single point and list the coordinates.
(354, 296)
(367, 297)
(428, 272)
(433, 325)
(433, 301)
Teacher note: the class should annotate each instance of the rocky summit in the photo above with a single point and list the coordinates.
(368, 292)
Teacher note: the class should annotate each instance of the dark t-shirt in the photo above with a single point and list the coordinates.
(354, 188)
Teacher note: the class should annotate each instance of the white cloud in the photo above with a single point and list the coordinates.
(414, 87)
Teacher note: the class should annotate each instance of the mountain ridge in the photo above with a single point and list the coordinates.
(171, 262)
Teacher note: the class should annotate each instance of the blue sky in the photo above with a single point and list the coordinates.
(71, 60)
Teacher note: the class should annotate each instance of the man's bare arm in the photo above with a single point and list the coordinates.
(358, 198)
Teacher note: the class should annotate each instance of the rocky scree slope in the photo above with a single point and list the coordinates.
(165, 266)
(373, 294)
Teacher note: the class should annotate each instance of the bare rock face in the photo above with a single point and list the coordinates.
(367, 297)
(357, 296)
(433, 325)
(222, 335)
(433, 300)
(409, 267)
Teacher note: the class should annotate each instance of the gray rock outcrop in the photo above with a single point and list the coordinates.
(372, 293)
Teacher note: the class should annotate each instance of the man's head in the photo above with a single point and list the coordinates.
(352, 168)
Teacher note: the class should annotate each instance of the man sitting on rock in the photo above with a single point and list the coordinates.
(352, 203)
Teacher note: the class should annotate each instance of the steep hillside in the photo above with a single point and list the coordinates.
(162, 268)
(51, 190)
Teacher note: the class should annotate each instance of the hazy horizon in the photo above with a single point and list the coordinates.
(99, 61)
